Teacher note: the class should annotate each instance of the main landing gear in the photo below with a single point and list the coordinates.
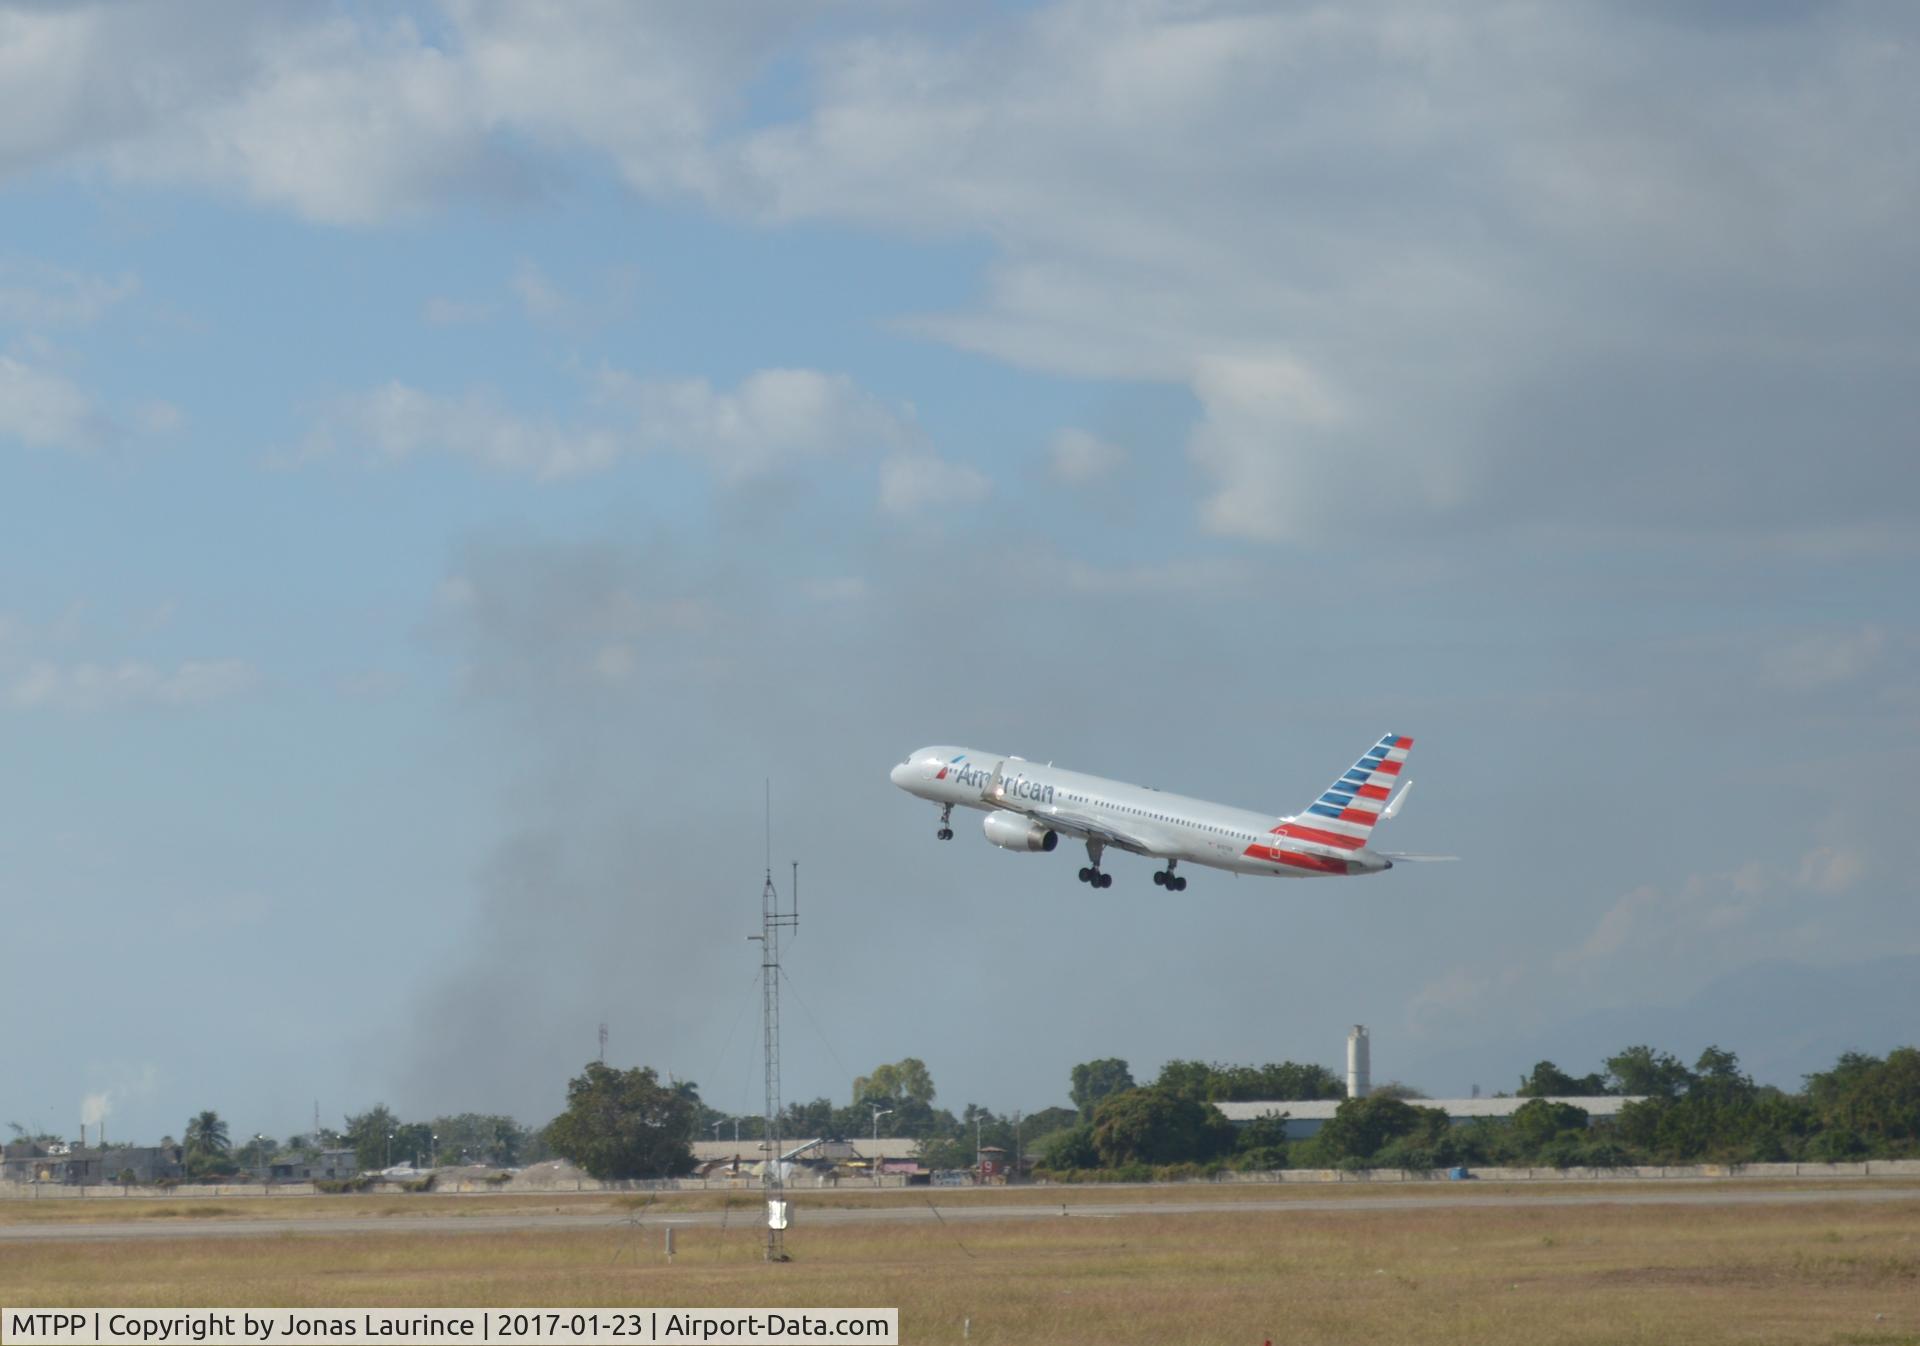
(946, 817)
(1091, 873)
(1167, 879)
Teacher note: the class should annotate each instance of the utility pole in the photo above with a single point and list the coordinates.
(772, 921)
(603, 1042)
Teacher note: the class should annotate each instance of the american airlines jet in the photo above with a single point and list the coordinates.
(1030, 807)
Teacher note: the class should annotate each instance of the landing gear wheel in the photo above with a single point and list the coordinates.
(1103, 880)
(1159, 879)
(1086, 875)
(1179, 885)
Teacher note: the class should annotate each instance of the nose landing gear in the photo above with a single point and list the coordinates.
(946, 817)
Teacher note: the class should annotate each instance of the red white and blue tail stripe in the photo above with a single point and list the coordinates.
(1344, 816)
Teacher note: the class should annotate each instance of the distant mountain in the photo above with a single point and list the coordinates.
(1784, 1019)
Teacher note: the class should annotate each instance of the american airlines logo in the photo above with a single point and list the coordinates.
(1022, 788)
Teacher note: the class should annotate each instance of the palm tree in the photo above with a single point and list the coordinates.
(206, 1135)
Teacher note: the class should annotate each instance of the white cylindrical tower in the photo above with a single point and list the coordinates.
(1358, 1062)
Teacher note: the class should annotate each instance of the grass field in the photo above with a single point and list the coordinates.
(1839, 1273)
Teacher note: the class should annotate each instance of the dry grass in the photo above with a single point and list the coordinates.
(1841, 1273)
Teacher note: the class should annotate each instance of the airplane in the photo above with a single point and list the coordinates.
(1031, 807)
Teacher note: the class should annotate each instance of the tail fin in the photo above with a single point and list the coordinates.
(1344, 816)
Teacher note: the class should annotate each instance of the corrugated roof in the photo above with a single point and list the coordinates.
(1461, 1109)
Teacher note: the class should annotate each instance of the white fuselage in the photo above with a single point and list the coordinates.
(1168, 826)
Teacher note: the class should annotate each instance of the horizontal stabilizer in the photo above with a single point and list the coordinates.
(1398, 856)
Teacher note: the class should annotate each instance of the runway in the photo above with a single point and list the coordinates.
(1067, 1207)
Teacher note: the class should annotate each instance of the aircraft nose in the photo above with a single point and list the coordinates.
(899, 774)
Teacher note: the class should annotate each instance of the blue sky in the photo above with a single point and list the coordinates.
(450, 457)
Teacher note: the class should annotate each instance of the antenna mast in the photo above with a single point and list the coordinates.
(772, 921)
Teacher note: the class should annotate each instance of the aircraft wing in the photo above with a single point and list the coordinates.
(1062, 820)
(1088, 829)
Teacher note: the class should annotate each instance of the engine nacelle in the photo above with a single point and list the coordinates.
(1016, 833)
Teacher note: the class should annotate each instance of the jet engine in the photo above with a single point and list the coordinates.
(1016, 833)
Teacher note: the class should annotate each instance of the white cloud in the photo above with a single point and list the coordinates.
(1078, 457)
(1180, 577)
(36, 294)
(1545, 274)
(538, 296)
(1825, 660)
(159, 418)
(401, 422)
(440, 311)
(911, 482)
(43, 409)
(346, 119)
(772, 420)
(46, 685)
(1754, 903)
(1572, 262)
(774, 417)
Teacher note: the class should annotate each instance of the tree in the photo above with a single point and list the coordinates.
(1875, 1101)
(1156, 1126)
(1095, 1080)
(1362, 1126)
(371, 1136)
(207, 1144)
(1644, 1073)
(1294, 1082)
(255, 1154)
(1218, 1083)
(1069, 1148)
(622, 1124)
(1261, 1144)
(1188, 1079)
(207, 1135)
(479, 1138)
(1048, 1120)
(1538, 1122)
(1406, 1093)
(905, 1080)
(1547, 1080)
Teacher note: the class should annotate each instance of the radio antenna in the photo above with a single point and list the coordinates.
(773, 919)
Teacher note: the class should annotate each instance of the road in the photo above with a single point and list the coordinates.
(1452, 1198)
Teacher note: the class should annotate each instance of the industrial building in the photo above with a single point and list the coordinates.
(1306, 1116)
(80, 1166)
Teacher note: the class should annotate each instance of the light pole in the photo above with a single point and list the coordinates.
(878, 1113)
(260, 1156)
(433, 1149)
(716, 1130)
(389, 1149)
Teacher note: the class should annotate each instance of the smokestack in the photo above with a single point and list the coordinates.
(1358, 1062)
